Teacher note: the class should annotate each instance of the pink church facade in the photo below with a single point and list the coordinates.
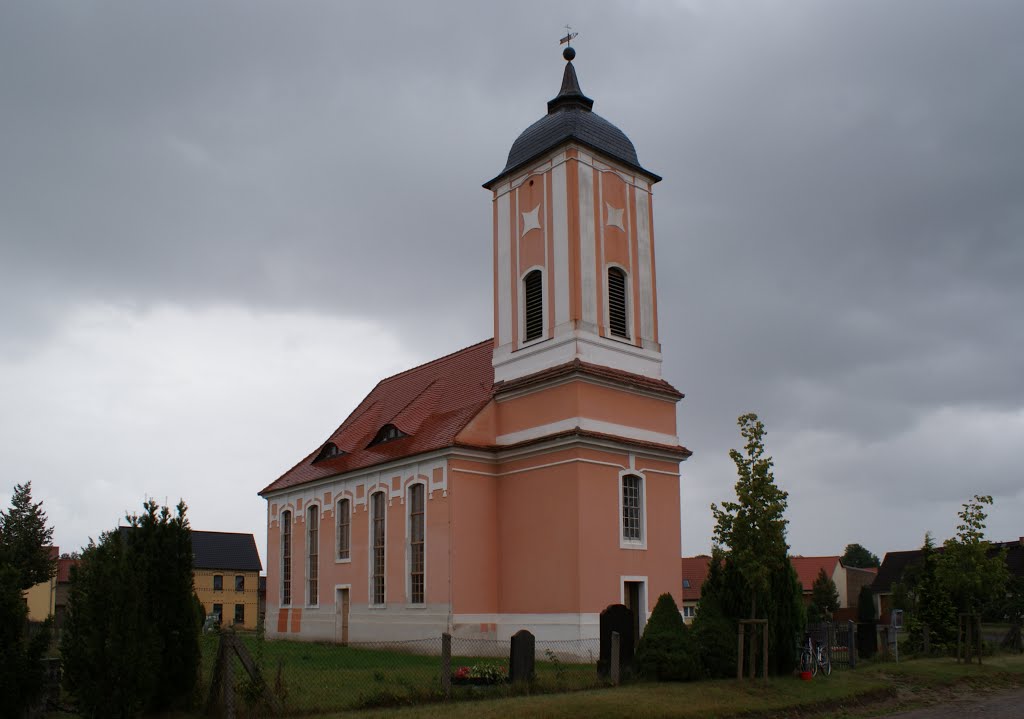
(528, 481)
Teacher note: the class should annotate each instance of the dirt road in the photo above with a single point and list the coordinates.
(1004, 705)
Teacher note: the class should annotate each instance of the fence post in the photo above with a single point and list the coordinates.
(926, 642)
(739, 650)
(616, 639)
(851, 643)
(446, 664)
(764, 651)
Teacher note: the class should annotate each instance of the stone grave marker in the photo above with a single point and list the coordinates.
(616, 618)
(521, 656)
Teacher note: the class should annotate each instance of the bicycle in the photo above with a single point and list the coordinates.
(814, 656)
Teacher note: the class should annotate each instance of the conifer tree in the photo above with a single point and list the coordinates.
(824, 598)
(24, 562)
(131, 635)
(666, 651)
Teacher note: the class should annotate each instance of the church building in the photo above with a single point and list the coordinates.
(530, 480)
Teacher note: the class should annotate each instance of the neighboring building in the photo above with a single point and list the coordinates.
(63, 589)
(42, 598)
(695, 571)
(848, 581)
(226, 576)
(807, 569)
(896, 564)
(527, 481)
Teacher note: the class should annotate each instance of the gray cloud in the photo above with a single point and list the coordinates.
(839, 229)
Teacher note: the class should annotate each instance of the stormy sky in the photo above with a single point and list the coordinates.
(222, 223)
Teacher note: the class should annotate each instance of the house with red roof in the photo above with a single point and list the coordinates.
(695, 571)
(527, 481)
(848, 581)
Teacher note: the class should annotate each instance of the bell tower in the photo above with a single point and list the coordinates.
(574, 270)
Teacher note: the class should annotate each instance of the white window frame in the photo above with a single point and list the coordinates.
(633, 543)
(408, 544)
(337, 530)
(312, 601)
(543, 307)
(384, 571)
(628, 289)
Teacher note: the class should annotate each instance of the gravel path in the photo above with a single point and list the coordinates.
(1004, 705)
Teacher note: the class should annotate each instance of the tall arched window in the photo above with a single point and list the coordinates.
(313, 555)
(533, 305)
(417, 527)
(618, 323)
(343, 516)
(377, 508)
(286, 558)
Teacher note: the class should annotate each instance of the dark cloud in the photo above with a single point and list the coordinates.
(839, 229)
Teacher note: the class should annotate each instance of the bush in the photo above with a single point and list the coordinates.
(715, 636)
(666, 651)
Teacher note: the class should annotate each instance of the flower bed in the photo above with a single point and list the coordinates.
(480, 674)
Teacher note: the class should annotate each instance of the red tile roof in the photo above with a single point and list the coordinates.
(431, 403)
(807, 569)
(695, 571)
(64, 569)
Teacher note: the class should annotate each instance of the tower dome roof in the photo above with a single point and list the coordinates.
(570, 118)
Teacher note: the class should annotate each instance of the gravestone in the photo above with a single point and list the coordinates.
(521, 657)
(616, 618)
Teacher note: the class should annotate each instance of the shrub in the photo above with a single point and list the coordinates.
(666, 651)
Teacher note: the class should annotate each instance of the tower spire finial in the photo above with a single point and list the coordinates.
(568, 53)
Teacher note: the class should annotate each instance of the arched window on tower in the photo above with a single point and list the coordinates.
(618, 322)
(533, 305)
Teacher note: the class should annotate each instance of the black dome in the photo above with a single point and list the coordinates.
(570, 118)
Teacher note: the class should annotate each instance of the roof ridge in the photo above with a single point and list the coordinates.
(435, 361)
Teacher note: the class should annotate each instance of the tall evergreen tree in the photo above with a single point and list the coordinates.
(933, 607)
(131, 635)
(824, 598)
(25, 539)
(24, 562)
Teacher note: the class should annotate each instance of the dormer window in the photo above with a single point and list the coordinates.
(387, 433)
(328, 451)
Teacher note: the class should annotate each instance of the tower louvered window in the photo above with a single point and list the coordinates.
(617, 323)
(533, 294)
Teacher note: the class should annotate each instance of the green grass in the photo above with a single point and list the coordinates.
(844, 694)
(329, 677)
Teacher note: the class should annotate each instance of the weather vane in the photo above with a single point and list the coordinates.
(569, 36)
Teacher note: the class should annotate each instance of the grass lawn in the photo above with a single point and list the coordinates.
(330, 677)
(909, 682)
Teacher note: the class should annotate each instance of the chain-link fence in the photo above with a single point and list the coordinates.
(307, 678)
